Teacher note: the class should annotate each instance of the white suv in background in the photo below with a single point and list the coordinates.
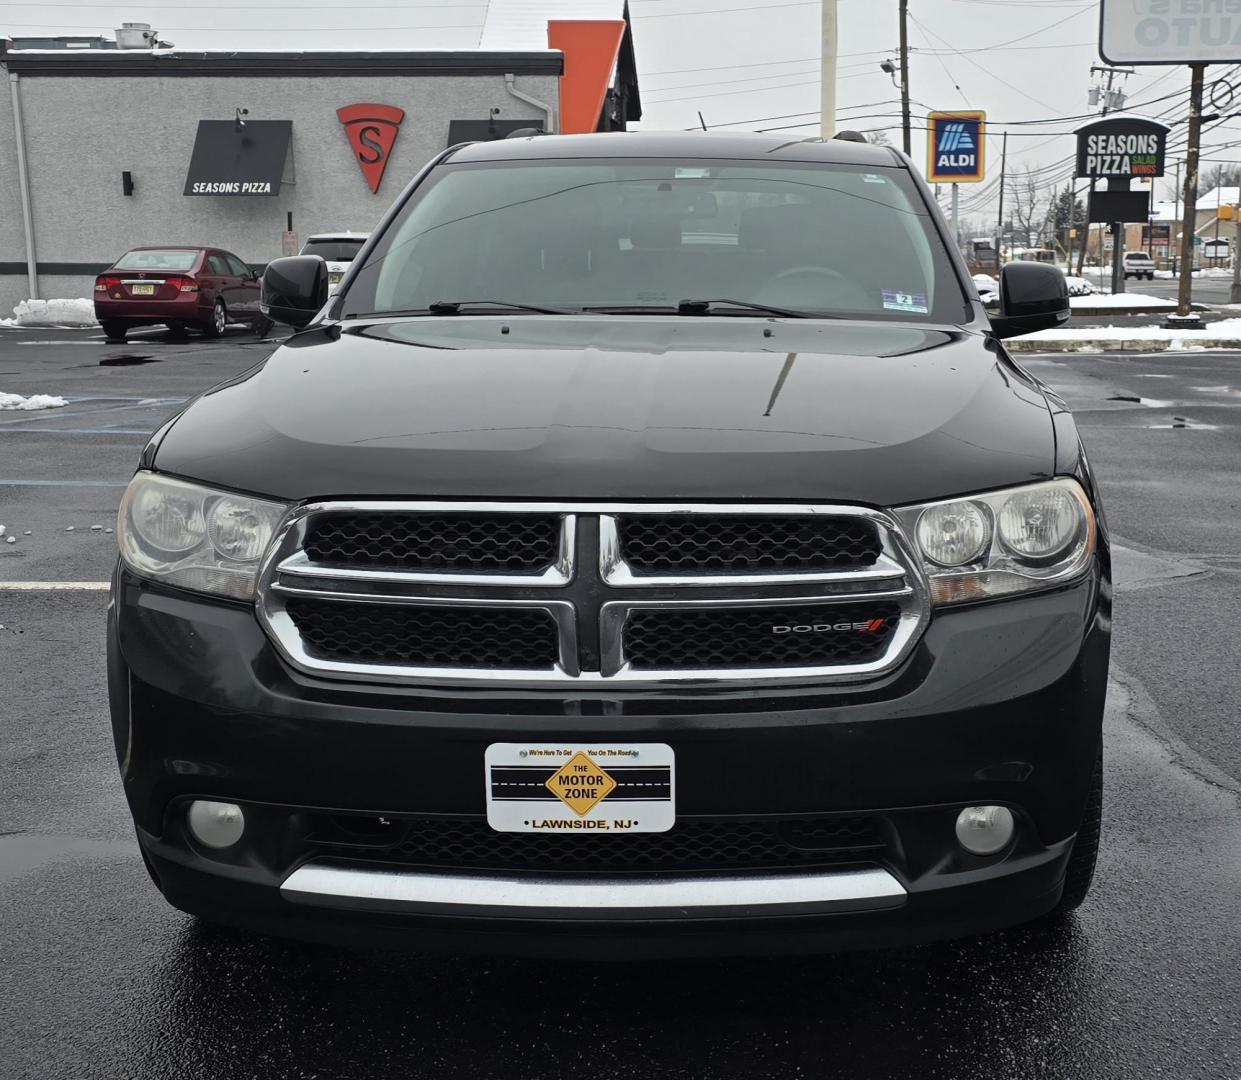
(337, 249)
(1139, 264)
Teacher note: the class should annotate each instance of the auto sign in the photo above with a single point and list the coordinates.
(956, 147)
(1170, 31)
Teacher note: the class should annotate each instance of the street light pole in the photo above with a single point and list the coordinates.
(906, 130)
(827, 96)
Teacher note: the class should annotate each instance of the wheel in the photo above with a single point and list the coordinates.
(113, 330)
(262, 326)
(219, 320)
(1080, 873)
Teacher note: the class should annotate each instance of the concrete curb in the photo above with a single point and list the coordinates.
(1136, 345)
(1114, 312)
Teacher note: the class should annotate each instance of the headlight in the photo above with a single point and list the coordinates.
(1004, 542)
(195, 537)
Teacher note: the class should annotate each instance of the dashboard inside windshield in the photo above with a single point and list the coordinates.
(822, 239)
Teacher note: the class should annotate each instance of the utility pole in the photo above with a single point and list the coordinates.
(1235, 294)
(906, 130)
(827, 96)
(999, 238)
(1190, 222)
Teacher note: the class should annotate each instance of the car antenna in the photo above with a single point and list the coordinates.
(701, 120)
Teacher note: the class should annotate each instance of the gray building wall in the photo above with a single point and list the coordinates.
(83, 131)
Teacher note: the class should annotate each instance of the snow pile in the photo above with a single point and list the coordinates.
(1078, 286)
(79, 312)
(1121, 301)
(30, 404)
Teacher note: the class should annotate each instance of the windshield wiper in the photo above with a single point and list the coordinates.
(453, 307)
(703, 307)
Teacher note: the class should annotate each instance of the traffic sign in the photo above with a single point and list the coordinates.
(956, 148)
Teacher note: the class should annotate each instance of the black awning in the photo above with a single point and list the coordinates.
(460, 131)
(238, 159)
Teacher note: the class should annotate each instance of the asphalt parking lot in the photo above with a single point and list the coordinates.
(102, 979)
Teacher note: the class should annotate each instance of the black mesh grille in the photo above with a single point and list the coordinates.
(703, 544)
(739, 637)
(689, 846)
(436, 543)
(423, 636)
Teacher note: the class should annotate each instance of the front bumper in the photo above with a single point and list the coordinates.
(999, 703)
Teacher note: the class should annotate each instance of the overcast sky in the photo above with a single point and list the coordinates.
(739, 61)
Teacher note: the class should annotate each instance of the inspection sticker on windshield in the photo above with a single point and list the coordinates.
(913, 303)
(580, 788)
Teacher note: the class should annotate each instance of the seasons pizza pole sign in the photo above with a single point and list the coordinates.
(1122, 146)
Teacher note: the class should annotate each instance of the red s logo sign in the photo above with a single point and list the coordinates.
(372, 132)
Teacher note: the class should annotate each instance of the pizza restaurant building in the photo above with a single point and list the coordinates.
(105, 147)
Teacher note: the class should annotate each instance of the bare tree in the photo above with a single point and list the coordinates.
(878, 137)
(1218, 176)
(1030, 205)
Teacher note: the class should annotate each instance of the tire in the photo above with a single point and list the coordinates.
(1080, 872)
(113, 330)
(219, 320)
(177, 329)
(262, 326)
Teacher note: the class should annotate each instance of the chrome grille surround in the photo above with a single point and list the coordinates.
(589, 593)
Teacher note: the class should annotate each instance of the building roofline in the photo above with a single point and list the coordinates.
(184, 62)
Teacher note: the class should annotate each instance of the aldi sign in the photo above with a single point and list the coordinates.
(1170, 31)
(956, 149)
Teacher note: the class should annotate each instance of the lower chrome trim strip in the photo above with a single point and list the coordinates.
(500, 896)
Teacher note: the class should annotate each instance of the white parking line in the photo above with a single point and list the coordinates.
(55, 586)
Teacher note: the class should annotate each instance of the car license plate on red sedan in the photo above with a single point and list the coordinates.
(142, 290)
(586, 788)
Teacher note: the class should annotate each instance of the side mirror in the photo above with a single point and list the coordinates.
(294, 289)
(1033, 296)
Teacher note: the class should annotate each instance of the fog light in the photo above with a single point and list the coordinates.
(216, 824)
(984, 830)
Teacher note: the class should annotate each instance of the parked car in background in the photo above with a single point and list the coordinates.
(988, 288)
(182, 287)
(337, 250)
(1138, 264)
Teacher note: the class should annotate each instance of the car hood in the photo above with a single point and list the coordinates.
(620, 408)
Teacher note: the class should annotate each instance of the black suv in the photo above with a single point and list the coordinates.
(649, 549)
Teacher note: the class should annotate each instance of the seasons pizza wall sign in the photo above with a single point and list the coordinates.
(236, 157)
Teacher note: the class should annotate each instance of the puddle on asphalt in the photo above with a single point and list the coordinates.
(1150, 403)
(1180, 423)
(128, 360)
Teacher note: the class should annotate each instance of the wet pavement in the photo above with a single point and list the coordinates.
(102, 979)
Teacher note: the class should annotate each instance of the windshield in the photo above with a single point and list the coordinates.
(151, 259)
(825, 239)
(334, 250)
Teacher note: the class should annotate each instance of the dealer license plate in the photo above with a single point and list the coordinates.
(142, 290)
(583, 788)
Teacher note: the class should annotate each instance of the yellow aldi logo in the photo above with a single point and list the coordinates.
(580, 784)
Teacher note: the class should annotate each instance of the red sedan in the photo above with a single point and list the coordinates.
(182, 287)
